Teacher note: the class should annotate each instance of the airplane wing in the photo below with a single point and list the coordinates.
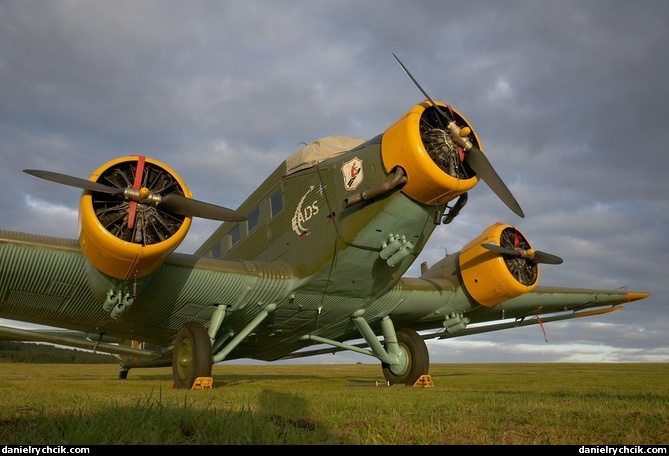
(435, 308)
(48, 281)
(542, 305)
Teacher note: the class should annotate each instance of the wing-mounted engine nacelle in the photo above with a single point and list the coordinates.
(431, 152)
(127, 236)
(134, 212)
(492, 277)
(496, 266)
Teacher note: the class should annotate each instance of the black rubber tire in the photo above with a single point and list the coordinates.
(192, 357)
(417, 357)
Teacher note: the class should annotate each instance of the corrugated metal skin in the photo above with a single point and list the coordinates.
(245, 286)
(375, 310)
(44, 280)
(255, 243)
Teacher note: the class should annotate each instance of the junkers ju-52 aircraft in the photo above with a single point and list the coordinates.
(314, 258)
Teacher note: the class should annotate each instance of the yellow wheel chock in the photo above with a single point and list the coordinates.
(202, 383)
(425, 381)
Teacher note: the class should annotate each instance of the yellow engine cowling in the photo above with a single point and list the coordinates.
(429, 155)
(491, 278)
(105, 239)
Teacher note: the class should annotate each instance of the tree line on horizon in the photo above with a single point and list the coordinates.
(30, 352)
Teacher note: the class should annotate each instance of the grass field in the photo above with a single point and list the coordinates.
(592, 404)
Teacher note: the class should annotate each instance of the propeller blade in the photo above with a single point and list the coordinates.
(176, 203)
(483, 168)
(546, 258)
(194, 208)
(537, 257)
(406, 70)
(73, 181)
(500, 249)
(139, 172)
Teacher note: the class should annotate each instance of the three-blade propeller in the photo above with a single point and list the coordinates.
(476, 159)
(535, 256)
(172, 202)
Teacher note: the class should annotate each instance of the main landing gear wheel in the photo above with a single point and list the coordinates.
(414, 360)
(192, 356)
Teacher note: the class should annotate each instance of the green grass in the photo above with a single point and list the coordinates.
(594, 404)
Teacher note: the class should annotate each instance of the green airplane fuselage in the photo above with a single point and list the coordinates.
(335, 249)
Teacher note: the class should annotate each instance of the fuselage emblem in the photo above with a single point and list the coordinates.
(352, 172)
(303, 214)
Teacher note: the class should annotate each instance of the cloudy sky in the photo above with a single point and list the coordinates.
(569, 98)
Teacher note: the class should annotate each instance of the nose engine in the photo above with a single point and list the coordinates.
(431, 154)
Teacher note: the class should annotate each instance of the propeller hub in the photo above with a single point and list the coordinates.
(142, 195)
(458, 135)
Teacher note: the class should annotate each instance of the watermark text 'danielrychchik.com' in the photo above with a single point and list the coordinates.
(621, 449)
(38, 450)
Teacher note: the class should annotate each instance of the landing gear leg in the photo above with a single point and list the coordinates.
(414, 359)
(192, 357)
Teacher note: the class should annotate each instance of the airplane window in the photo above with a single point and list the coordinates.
(276, 202)
(216, 250)
(252, 218)
(234, 235)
